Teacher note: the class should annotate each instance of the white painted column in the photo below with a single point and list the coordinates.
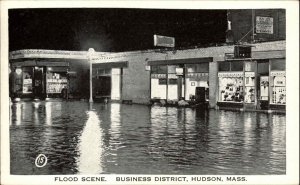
(115, 83)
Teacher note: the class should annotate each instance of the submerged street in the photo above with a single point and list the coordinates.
(80, 138)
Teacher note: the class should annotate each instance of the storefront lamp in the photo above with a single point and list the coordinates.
(18, 71)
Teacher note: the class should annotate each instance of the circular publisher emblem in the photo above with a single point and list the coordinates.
(40, 161)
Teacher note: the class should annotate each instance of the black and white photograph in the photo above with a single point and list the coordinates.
(135, 94)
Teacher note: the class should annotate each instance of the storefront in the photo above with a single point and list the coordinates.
(107, 80)
(252, 84)
(180, 79)
(32, 80)
(56, 81)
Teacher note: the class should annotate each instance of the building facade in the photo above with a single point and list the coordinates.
(250, 83)
(243, 74)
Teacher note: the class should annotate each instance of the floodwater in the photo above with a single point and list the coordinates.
(79, 138)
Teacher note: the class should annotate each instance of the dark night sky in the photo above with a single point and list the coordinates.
(112, 29)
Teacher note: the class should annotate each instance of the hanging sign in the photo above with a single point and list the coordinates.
(264, 25)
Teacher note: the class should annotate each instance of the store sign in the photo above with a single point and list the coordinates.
(229, 56)
(195, 75)
(264, 25)
(164, 41)
(249, 74)
(277, 73)
(231, 74)
(158, 76)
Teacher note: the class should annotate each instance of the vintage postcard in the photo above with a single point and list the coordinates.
(161, 92)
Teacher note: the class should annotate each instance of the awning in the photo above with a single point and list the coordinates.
(121, 64)
(39, 63)
(180, 61)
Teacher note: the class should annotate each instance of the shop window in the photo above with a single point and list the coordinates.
(104, 72)
(278, 87)
(278, 65)
(172, 81)
(159, 69)
(197, 68)
(231, 87)
(263, 67)
(237, 66)
(27, 80)
(56, 81)
(249, 87)
(224, 66)
(250, 66)
(172, 69)
(264, 88)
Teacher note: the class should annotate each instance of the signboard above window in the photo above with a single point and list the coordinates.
(264, 25)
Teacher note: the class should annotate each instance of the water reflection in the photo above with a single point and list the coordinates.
(36, 112)
(115, 127)
(18, 113)
(78, 137)
(90, 146)
(48, 107)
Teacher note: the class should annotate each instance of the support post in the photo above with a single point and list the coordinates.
(90, 53)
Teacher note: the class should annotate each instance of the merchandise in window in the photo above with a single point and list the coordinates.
(264, 87)
(249, 87)
(278, 87)
(231, 87)
(27, 80)
(56, 82)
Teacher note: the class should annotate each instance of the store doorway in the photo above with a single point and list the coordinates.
(103, 86)
(39, 89)
(262, 84)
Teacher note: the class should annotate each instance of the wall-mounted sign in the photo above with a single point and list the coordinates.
(264, 25)
(164, 41)
(229, 56)
(147, 68)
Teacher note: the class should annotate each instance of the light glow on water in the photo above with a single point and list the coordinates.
(90, 146)
(48, 107)
(18, 113)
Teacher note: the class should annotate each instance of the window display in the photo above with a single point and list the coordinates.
(56, 82)
(27, 80)
(264, 87)
(231, 87)
(249, 87)
(278, 87)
